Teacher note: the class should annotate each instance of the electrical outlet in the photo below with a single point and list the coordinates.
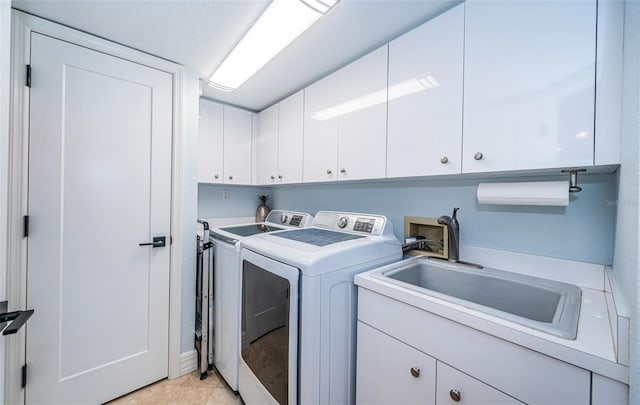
(225, 194)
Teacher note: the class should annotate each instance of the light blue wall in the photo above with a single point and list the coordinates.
(582, 231)
(242, 202)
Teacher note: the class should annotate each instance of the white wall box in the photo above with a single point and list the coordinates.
(345, 122)
(224, 144)
(529, 84)
(487, 369)
(279, 142)
(425, 98)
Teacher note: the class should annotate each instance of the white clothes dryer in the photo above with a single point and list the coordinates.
(299, 307)
(227, 244)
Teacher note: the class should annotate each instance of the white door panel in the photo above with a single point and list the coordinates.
(267, 145)
(210, 142)
(99, 184)
(290, 138)
(238, 126)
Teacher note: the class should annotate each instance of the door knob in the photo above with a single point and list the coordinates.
(444, 160)
(230, 177)
(273, 177)
(158, 241)
(280, 176)
(478, 156)
(215, 176)
(329, 171)
(343, 170)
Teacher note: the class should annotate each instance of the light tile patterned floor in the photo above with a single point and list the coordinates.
(186, 390)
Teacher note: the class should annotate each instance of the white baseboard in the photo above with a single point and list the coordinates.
(188, 362)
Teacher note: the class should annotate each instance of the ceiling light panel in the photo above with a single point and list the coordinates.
(280, 24)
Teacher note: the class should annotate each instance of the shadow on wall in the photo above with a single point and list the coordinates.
(582, 231)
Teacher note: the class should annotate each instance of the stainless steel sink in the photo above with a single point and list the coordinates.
(549, 306)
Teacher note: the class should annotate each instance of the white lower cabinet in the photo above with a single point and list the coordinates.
(472, 366)
(391, 372)
(456, 387)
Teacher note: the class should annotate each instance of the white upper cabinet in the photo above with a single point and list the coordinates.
(345, 122)
(210, 143)
(529, 77)
(224, 144)
(267, 146)
(279, 142)
(238, 126)
(290, 139)
(425, 98)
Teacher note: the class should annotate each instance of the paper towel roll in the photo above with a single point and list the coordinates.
(525, 193)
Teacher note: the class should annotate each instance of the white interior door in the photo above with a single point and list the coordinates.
(99, 185)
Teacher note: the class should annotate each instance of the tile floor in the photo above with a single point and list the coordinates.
(186, 390)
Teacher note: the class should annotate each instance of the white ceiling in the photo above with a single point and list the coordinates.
(200, 33)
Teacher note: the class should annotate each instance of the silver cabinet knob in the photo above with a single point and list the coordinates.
(444, 159)
(329, 171)
(478, 156)
(280, 176)
(455, 394)
(343, 170)
(415, 371)
(215, 176)
(230, 177)
(273, 177)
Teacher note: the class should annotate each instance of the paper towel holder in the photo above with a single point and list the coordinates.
(573, 179)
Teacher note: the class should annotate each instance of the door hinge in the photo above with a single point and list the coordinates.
(29, 76)
(24, 376)
(25, 230)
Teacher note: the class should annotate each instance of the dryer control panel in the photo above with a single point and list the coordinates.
(365, 224)
(291, 218)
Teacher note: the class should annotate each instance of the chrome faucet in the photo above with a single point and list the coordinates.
(453, 227)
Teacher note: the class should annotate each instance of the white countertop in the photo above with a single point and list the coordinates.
(593, 348)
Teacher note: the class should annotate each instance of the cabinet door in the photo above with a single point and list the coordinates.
(361, 96)
(290, 139)
(320, 157)
(391, 372)
(267, 146)
(529, 77)
(456, 387)
(237, 145)
(210, 142)
(425, 98)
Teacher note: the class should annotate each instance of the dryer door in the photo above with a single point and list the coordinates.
(269, 338)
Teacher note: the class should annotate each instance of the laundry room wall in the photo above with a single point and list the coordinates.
(226, 201)
(582, 231)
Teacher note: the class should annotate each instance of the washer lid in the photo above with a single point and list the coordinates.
(317, 237)
(252, 229)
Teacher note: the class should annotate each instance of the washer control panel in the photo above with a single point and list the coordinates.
(291, 218)
(350, 222)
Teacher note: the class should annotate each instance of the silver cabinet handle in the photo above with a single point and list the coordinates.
(280, 176)
(329, 171)
(478, 156)
(230, 177)
(343, 170)
(444, 160)
(455, 394)
(215, 176)
(273, 177)
(415, 371)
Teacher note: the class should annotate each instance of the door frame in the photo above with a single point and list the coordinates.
(183, 181)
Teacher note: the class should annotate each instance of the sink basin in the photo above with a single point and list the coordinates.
(546, 305)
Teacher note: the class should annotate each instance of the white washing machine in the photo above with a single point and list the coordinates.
(299, 307)
(227, 245)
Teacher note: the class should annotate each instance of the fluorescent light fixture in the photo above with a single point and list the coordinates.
(404, 88)
(281, 23)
